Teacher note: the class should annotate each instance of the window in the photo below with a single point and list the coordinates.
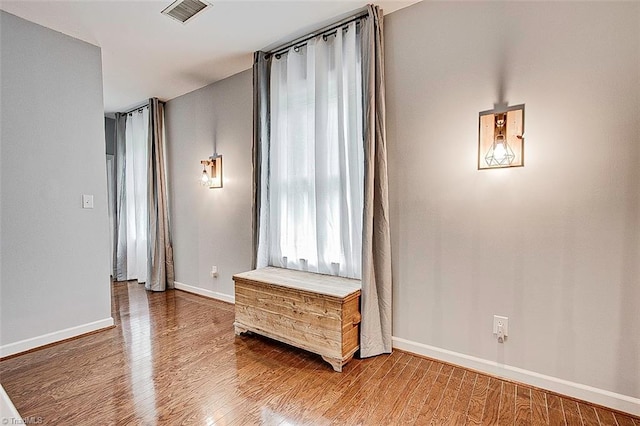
(313, 165)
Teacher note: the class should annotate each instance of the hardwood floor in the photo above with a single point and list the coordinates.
(173, 359)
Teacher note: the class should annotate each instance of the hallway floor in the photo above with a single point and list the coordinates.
(173, 359)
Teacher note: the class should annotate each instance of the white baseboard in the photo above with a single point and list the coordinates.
(204, 292)
(8, 412)
(56, 336)
(603, 397)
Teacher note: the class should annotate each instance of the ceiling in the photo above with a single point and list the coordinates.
(146, 54)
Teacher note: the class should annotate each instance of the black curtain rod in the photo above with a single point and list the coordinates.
(301, 41)
(141, 107)
(138, 108)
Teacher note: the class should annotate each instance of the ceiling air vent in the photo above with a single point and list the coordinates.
(185, 10)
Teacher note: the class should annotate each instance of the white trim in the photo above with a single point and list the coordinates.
(204, 292)
(603, 397)
(8, 411)
(56, 336)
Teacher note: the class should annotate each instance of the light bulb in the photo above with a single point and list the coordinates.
(499, 153)
(204, 180)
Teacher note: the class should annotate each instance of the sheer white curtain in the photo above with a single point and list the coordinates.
(136, 188)
(314, 166)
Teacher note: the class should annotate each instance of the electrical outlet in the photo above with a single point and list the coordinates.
(214, 271)
(87, 201)
(501, 321)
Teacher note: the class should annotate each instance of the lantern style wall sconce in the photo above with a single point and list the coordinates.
(500, 138)
(212, 171)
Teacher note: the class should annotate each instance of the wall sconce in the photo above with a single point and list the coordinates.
(212, 171)
(500, 138)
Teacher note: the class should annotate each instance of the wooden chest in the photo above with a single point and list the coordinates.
(318, 313)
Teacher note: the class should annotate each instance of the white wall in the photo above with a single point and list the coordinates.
(211, 226)
(555, 246)
(54, 277)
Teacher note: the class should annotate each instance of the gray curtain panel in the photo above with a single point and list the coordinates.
(160, 274)
(375, 328)
(261, 118)
(119, 265)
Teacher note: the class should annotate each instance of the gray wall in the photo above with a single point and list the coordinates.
(54, 254)
(555, 246)
(110, 135)
(211, 226)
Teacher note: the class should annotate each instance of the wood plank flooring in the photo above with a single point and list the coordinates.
(173, 359)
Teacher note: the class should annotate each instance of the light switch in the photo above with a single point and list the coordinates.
(87, 201)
